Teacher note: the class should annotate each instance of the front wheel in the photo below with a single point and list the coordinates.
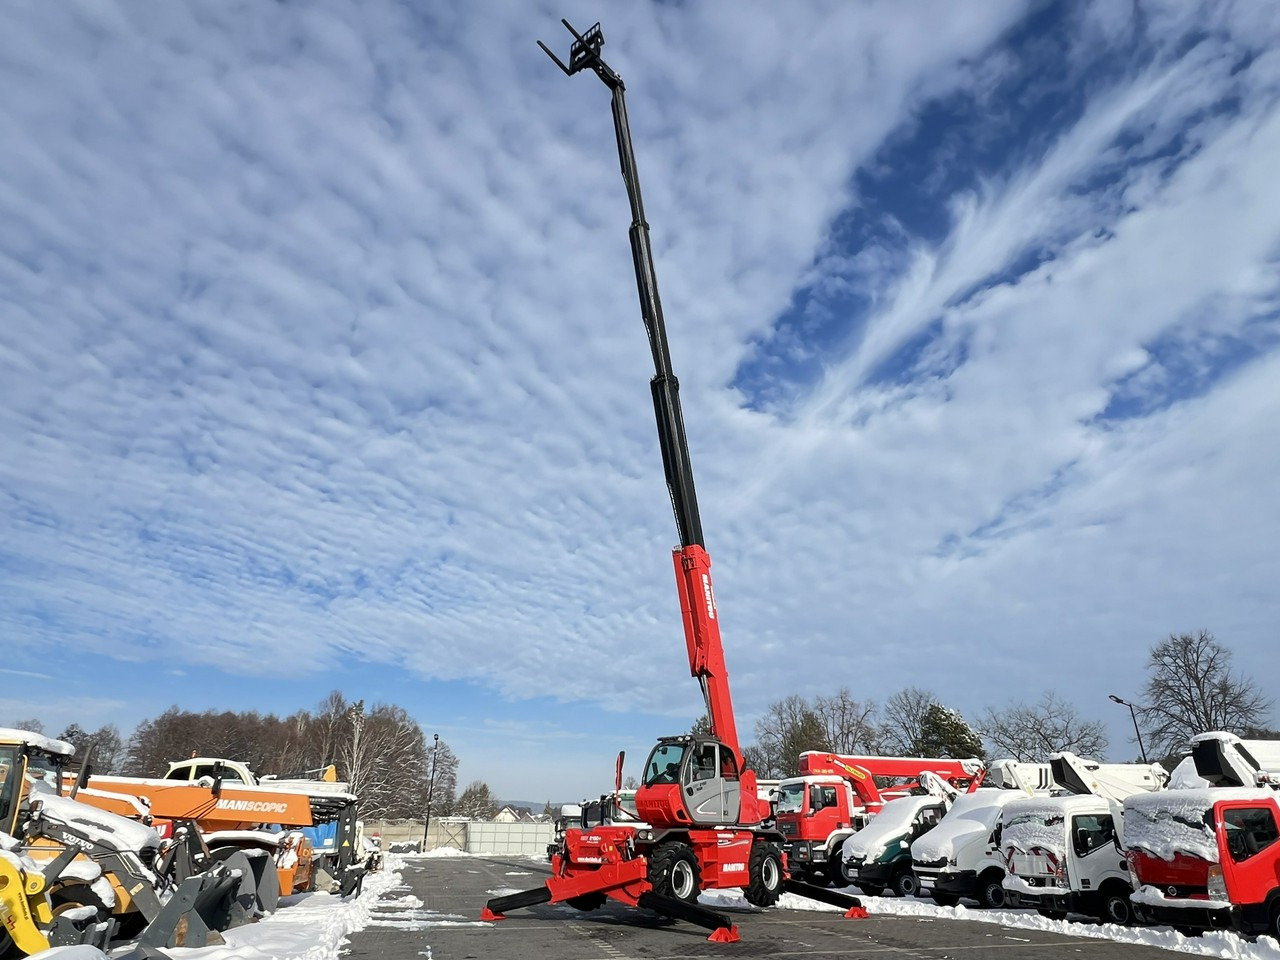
(1116, 908)
(764, 873)
(991, 890)
(906, 885)
(674, 872)
(838, 873)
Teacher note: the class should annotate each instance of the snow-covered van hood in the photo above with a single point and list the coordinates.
(1171, 822)
(888, 826)
(971, 818)
(1041, 822)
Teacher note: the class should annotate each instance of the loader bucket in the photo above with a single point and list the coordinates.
(261, 881)
(198, 909)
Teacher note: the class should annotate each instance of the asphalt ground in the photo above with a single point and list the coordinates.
(453, 890)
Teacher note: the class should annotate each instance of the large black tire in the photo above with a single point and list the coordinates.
(905, 884)
(837, 873)
(944, 899)
(1273, 926)
(674, 872)
(587, 901)
(1115, 907)
(991, 890)
(764, 874)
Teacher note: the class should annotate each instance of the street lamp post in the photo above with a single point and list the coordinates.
(1134, 715)
(431, 789)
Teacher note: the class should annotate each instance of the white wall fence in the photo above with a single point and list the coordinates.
(470, 836)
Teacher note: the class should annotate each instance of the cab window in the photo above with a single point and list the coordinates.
(1091, 832)
(926, 820)
(1249, 831)
(821, 797)
(703, 764)
(728, 764)
(664, 764)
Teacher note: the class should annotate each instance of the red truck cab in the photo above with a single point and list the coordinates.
(1206, 858)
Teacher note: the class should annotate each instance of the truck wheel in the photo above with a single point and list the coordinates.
(1273, 927)
(764, 871)
(674, 872)
(906, 884)
(991, 890)
(1051, 914)
(587, 901)
(945, 899)
(871, 889)
(1115, 907)
(838, 873)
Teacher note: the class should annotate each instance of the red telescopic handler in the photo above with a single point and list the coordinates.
(701, 825)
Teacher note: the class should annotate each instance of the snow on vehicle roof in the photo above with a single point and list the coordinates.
(972, 814)
(38, 740)
(889, 825)
(1030, 822)
(1170, 822)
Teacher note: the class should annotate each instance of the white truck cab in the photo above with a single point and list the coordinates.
(960, 857)
(1064, 853)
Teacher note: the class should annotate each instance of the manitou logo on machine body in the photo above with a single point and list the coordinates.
(708, 596)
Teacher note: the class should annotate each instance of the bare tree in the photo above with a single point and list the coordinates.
(850, 724)
(384, 757)
(1192, 690)
(1031, 732)
(903, 719)
(788, 728)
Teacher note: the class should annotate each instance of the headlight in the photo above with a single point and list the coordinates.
(1217, 886)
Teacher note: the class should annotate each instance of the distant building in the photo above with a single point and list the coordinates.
(513, 815)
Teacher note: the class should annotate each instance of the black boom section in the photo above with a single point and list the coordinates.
(514, 901)
(821, 894)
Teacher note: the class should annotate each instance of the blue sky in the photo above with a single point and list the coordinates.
(321, 365)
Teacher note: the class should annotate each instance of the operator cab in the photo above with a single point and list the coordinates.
(29, 763)
(690, 780)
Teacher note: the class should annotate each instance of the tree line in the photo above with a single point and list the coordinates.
(1191, 688)
(382, 752)
(379, 750)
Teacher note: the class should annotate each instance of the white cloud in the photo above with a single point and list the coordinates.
(320, 342)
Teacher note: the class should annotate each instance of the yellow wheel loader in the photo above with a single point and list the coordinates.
(71, 873)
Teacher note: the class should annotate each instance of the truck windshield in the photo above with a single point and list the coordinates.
(791, 797)
(664, 764)
(1171, 822)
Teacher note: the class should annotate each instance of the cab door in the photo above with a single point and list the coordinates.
(1249, 854)
(710, 795)
(1094, 850)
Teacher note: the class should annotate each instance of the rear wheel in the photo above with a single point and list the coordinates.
(674, 872)
(991, 890)
(1115, 907)
(905, 884)
(1273, 927)
(764, 872)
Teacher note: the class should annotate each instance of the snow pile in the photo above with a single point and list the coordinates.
(890, 825)
(310, 926)
(1215, 944)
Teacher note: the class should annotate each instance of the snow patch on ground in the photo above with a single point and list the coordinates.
(1216, 944)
